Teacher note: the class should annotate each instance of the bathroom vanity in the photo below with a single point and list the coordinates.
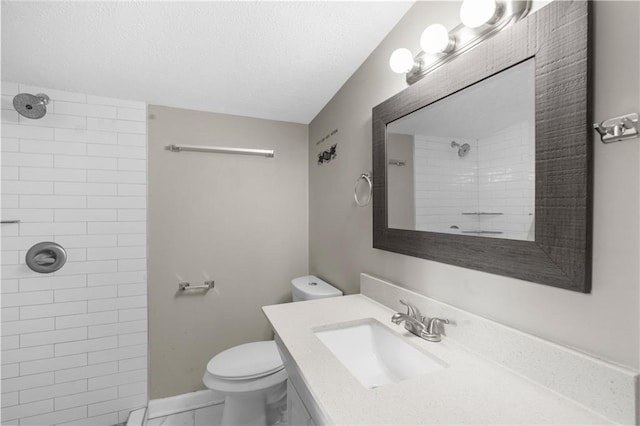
(481, 371)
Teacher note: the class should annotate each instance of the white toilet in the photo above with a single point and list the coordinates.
(251, 377)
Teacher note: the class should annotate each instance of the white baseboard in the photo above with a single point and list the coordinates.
(177, 404)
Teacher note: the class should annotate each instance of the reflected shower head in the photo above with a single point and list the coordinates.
(462, 149)
(31, 106)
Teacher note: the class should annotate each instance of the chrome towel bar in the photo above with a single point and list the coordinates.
(208, 285)
(269, 153)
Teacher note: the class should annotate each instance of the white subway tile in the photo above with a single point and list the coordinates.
(10, 89)
(87, 136)
(11, 398)
(26, 354)
(87, 293)
(27, 382)
(10, 201)
(53, 228)
(117, 202)
(17, 271)
(56, 121)
(22, 410)
(10, 144)
(101, 150)
(10, 370)
(9, 314)
(105, 419)
(101, 100)
(85, 215)
(132, 265)
(116, 278)
(117, 227)
(132, 389)
(9, 286)
(9, 258)
(52, 391)
(117, 354)
(21, 131)
(10, 229)
(52, 282)
(27, 326)
(132, 239)
(56, 336)
(9, 173)
(132, 364)
(86, 398)
(132, 114)
(70, 321)
(117, 379)
(54, 95)
(125, 290)
(132, 164)
(10, 342)
(102, 305)
(86, 188)
(87, 163)
(26, 299)
(120, 126)
(53, 175)
(29, 215)
(85, 346)
(132, 339)
(87, 241)
(21, 187)
(48, 147)
(111, 176)
(22, 159)
(132, 252)
(53, 364)
(88, 267)
(52, 201)
(129, 402)
(96, 331)
(86, 372)
(128, 189)
(53, 310)
(10, 117)
(86, 110)
(78, 414)
(129, 139)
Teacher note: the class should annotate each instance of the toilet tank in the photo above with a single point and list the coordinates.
(311, 287)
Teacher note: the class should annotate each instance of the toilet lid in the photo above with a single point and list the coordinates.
(248, 361)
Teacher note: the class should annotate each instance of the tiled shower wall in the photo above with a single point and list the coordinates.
(74, 343)
(496, 175)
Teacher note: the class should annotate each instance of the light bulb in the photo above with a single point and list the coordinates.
(435, 38)
(474, 13)
(401, 61)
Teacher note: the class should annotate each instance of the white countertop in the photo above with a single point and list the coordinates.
(471, 390)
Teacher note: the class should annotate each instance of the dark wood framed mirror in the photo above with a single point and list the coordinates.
(556, 41)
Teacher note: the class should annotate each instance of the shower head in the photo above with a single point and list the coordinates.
(31, 106)
(462, 149)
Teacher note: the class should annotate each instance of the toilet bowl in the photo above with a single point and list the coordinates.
(251, 377)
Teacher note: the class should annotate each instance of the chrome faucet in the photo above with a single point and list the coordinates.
(414, 322)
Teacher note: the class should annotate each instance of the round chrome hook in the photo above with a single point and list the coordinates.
(367, 178)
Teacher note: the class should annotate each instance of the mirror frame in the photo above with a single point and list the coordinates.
(559, 36)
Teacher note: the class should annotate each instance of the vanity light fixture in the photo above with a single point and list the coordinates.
(436, 39)
(481, 19)
(474, 13)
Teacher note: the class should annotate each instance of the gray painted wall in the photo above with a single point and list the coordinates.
(603, 323)
(241, 221)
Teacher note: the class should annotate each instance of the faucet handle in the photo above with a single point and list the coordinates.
(412, 311)
(432, 327)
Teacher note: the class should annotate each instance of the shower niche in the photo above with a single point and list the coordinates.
(466, 163)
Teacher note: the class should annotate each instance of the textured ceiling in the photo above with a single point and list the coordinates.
(275, 60)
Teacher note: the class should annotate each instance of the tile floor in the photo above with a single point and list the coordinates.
(207, 416)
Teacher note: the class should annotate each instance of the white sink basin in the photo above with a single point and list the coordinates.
(375, 355)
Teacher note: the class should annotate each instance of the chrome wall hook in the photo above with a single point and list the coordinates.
(618, 128)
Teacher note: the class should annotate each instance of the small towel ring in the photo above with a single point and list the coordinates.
(367, 178)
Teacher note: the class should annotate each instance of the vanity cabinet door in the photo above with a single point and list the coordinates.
(297, 414)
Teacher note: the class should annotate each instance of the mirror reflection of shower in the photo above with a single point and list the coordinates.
(462, 149)
(31, 106)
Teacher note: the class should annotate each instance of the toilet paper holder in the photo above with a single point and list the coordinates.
(184, 286)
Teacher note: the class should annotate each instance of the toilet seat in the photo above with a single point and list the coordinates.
(245, 362)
